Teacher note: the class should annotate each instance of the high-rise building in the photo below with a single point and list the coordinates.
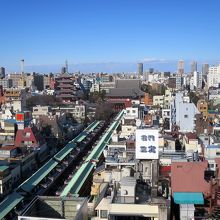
(140, 69)
(39, 81)
(193, 66)
(180, 68)
(2, 72)
(197, 80)
(214, 76)
(205, 68)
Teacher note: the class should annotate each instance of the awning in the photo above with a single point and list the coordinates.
(188, 198)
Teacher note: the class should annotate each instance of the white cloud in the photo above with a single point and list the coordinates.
(153, 60)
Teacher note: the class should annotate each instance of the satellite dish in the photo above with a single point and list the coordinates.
(138, 122)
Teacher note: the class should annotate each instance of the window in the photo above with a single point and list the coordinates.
(133, 111)
(185, 116)
(103, 213)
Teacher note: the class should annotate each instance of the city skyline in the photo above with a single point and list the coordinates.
(94, 35)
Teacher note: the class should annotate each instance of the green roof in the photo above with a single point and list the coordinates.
(188, 198)
(9, 203)
(3, 168)
(65, 151)
(38, 176)
(83, 172)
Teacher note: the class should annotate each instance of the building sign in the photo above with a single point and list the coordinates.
(147, 144)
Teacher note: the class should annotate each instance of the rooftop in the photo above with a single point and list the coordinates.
(3, 168)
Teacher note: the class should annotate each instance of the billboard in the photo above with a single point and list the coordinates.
(147, 144)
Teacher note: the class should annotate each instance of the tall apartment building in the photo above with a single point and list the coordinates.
(140, 67)
(180, 67)
(205, 68)
(193, 66)
(197, 80)
(214, 76)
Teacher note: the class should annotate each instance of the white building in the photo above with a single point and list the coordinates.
(183, 113)
(214, 76)
(197, 80)
(158, 100)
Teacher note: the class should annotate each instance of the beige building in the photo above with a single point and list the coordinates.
(158, 100)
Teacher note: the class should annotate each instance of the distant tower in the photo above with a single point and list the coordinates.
(2, 72)
(22, 66)
(66, 66)
(193, 66)
(140, 67)
(63, 70)
(180, 68)
(205, 68)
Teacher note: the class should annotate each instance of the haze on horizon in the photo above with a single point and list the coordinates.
(108, 36)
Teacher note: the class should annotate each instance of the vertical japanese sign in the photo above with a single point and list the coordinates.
(147, 144)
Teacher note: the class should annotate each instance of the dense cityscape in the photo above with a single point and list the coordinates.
(110, 146)
(109, 110)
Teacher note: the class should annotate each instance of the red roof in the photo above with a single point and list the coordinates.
(189, 177)
(12, 147)
(34, 139)
(191, 136)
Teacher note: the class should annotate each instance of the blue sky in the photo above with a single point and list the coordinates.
(90, 33)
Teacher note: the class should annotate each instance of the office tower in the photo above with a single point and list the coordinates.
(193, 66)
(2, 72)
(140, 69)
(180, 68)
(205, 68)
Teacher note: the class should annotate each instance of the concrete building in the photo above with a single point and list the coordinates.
(202, 106)
(158, 100)
(172, 83)
(16, 98)
(167, 99)
(40, 110)
(179, 82)
(56, 208)
(16, 77)
(95, 87)
(197, 80)
(183, 113)
(38, 81)
(9, 174)
(214, 76)
(6, 83)
(205, 69)
(120, 192)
